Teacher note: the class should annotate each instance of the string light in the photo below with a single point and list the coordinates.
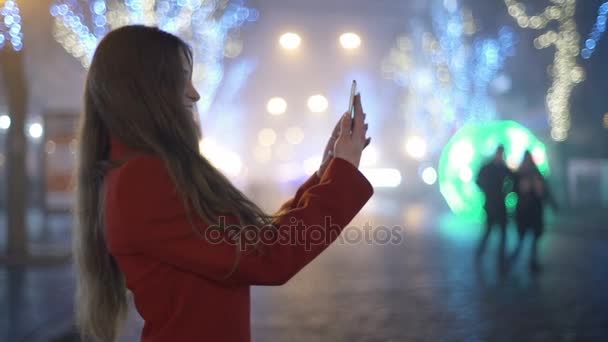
(597, 32)
(206, 25)
(10, 26)
(565, 71)
(447, 72)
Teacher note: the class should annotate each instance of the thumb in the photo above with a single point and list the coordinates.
(345, 124)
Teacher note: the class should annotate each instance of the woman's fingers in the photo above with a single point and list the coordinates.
(336, 129)
(359, 116)
(345, 124)
(357, 105)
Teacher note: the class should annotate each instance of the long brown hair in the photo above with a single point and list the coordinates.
(134, 93)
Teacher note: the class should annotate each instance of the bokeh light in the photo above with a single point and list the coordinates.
(10, 25)
(311, 165)
(285, 152)
(449, 77)
(262, 154)
(35, 130)
(317, 103)
(5, 121)
(290, 40)
(267, 137)
(471, 147)
(599, 28)
(369, 156)
(350, 40)
(429, 175)
(223, 159)
(276, 106)
(415, 146)
(210, 28)
(294, 135)
(383, 177)
(565, 71)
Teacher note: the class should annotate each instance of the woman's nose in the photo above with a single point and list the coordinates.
(193, 94)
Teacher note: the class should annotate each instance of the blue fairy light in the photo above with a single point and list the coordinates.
(597, 32)
(10, 26)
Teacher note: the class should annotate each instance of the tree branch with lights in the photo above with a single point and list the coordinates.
(211, 27)
(447, 73)
(565, 71)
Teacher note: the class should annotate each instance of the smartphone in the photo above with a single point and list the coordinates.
(353, 92)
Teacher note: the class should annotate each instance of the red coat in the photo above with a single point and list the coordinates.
(178, 277)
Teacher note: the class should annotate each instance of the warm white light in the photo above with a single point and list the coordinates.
(311, 165)
(35, 130)
(416, 147)
(350, 40)
(317, 103)
(5, 121)
(387, 178)
(369, 156)
(285, 152)
(294, 135)
(276, 106)
(288, 172)
(262, 154)
(223, 159)
(229, 162)
(565, 69)
(429, 175)
(512, 162)
(290, 40)
(267, 137)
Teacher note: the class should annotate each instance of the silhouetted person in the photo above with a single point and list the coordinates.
(491, 179)
(532, 193)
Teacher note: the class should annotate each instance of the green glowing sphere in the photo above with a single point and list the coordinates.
(471, 147)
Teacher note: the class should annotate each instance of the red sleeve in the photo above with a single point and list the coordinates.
(144, 207)
(293, 202)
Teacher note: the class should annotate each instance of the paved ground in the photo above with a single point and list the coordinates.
(426, 288)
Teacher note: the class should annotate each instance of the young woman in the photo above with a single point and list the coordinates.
(532, 194)
(155, 217)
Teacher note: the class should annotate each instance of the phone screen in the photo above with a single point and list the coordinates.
(353, 92)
